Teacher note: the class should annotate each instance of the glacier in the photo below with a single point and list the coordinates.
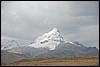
(50, 40)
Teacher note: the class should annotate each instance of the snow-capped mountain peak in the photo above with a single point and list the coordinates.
(54, 31)
(9, 45)
(78, 44)
(42, 46)
(50, 40)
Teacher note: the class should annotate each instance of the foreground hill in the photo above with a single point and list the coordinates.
(7, 57)
(58, 61)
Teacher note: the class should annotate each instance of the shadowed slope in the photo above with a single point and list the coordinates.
(7, 57)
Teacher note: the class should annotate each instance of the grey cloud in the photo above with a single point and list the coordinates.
(28, 20)
(85, 8)
(88, 35)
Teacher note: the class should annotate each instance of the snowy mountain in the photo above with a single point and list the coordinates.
(50, 40)
(9, 45)
(51, 44)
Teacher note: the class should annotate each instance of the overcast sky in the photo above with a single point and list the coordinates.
(25, 21)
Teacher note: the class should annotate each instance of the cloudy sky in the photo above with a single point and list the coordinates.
(25, 21)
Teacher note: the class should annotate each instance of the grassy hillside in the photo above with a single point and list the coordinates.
(58, 61)
(7, 57)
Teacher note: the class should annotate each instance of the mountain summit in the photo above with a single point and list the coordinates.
(50, 40)
(51, 44)
(9, 45)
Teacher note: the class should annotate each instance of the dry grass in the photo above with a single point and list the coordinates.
(61, 61)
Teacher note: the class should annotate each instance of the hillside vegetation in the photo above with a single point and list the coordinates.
(58, 61)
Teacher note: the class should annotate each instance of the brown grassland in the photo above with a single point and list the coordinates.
(57, 61)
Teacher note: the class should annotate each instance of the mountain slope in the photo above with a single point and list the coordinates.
(29, 51)
(7, 57)
(69, 49)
